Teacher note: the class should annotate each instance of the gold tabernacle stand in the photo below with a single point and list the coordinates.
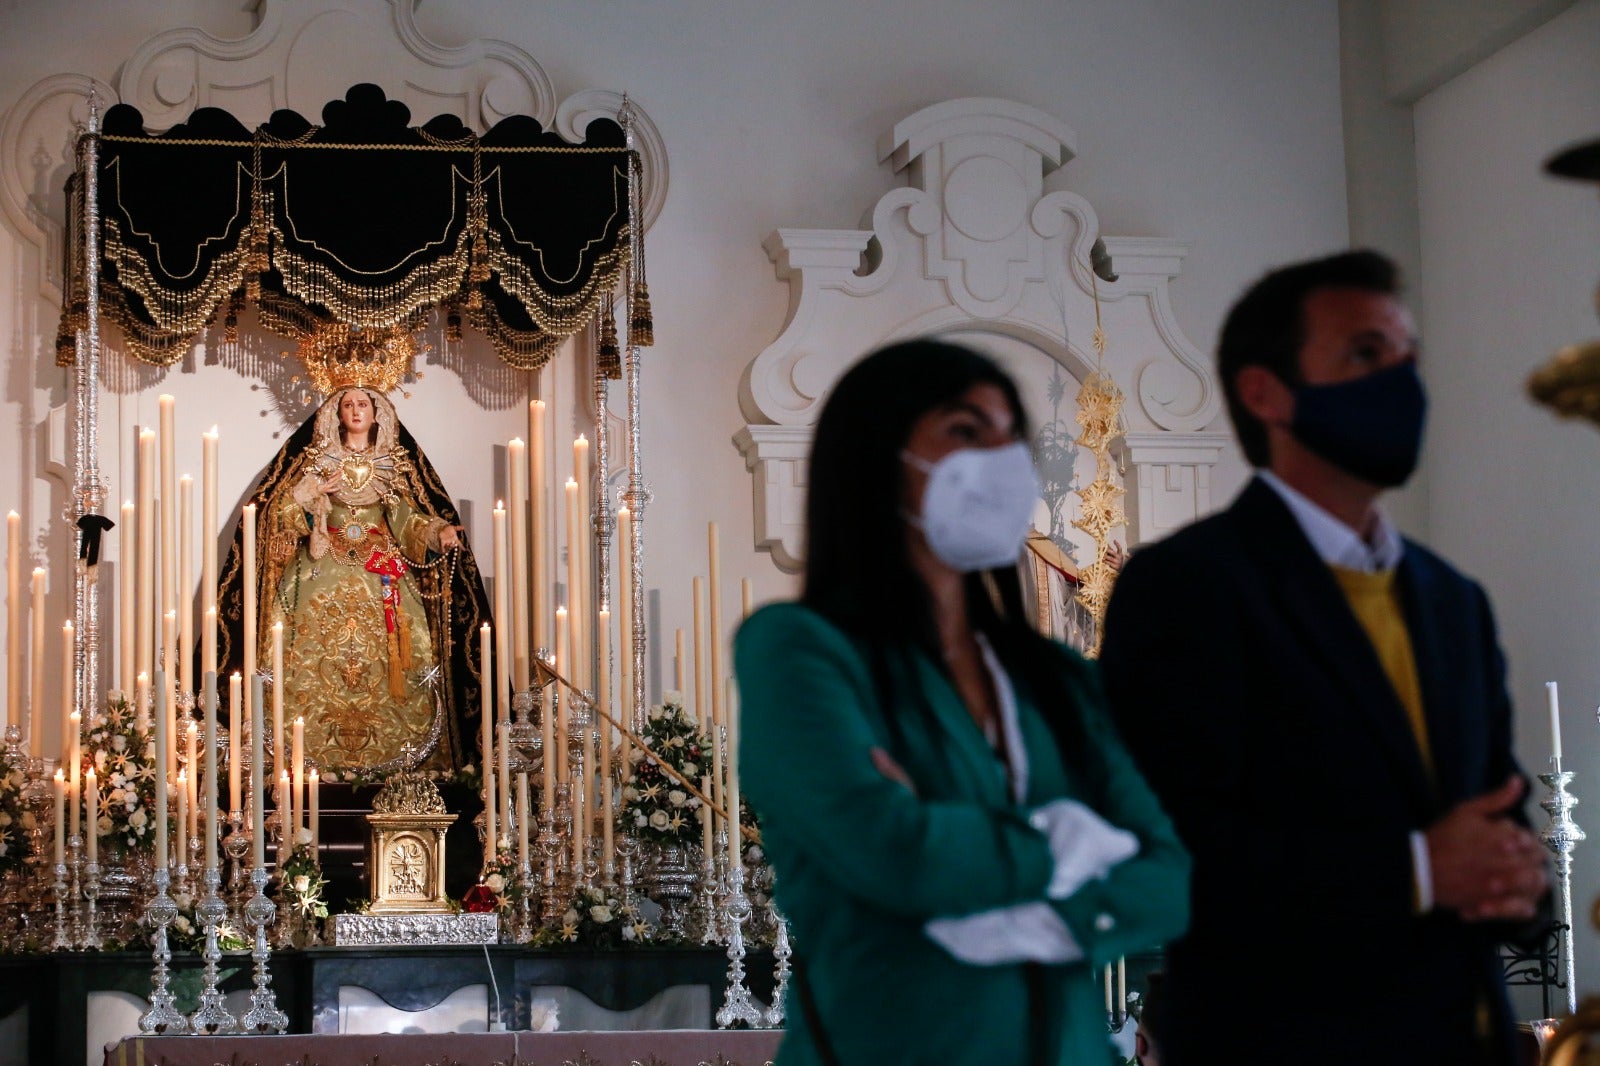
(406, 860)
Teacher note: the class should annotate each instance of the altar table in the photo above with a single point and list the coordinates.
(677, 1047)
(52, 992)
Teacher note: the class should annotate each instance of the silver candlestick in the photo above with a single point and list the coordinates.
(737, 1005)
(1561, 837)
(706, 911)
(162, 1017)
(781, 954)
(62, 941)
(91, 893)
(263, 1015)
(211, 1016)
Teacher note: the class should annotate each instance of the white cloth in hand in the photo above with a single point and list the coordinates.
(1084, 845)
(1022, 932)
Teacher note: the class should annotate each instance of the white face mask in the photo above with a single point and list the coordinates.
(977, 505)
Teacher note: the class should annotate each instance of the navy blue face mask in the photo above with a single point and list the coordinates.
(1370, 427)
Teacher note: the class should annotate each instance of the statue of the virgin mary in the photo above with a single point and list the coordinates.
(360, 556)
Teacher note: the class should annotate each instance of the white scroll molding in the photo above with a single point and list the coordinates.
(973, 242)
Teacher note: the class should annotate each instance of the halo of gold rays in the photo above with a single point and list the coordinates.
(1099, 418)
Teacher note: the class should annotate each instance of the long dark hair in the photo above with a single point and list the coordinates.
(858, 573)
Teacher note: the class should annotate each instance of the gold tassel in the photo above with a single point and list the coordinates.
(642, 327)
(397, 677)
(403, 628)
(610, 354)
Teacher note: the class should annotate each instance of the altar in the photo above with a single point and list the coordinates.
(65, 1002)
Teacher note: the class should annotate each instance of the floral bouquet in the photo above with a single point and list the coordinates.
(655, 804)
(594, 919)
(125, 761)
(302, 881)
(503, 877)
(187, 932)
(15, 818)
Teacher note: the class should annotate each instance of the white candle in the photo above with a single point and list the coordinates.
(141, 689)
(91, 832)
(191, 741)
(185, 583)
(746, 597)
(258, 799)
(36, 671)
(169, 518)
(163, 769)
(316, 816)
(677, 660)
(286, 831)
(625, 602)
(297, 809)
(570, 661)
(1554, 699)
(13, 712)
(235, 740)
(708, 835)
(75, 768)
(503, 780)
(486, 740)
(248, 544)
(730, 709)
(580, 810)
(127, 629)
(540, 534)
(61, 817)
(523, 818)
(714, 612)
(582, 603)
(184, 813)
(144, 597)
(517, 478)
(169, 652)
(211, 769)
(208, 548)
(563, 659)
(278, 735)
(502, 613)
(702, 709)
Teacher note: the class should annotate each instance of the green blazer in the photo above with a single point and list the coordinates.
(862, 863)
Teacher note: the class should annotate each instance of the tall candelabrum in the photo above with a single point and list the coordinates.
(211, 1015)
(263, 1015)
(737, 1004)
(163, 1017)
(1561, 836)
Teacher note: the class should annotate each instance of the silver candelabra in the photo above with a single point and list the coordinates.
(1561, 837)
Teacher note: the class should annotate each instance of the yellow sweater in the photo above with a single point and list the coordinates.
(1376, 603)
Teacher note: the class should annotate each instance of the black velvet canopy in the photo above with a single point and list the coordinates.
(363, 220)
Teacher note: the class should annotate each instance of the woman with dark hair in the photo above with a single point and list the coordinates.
(959, 838)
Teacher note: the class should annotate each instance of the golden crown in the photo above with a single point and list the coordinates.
(340, 356)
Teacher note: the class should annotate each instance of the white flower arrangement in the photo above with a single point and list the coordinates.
(124, 761)
(594, 919)
(15, 820)
(655, 804)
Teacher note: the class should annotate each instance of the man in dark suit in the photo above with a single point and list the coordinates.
(1321, 706)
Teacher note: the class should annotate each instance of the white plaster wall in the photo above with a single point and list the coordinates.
(1215, 124)
(1509, 269)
